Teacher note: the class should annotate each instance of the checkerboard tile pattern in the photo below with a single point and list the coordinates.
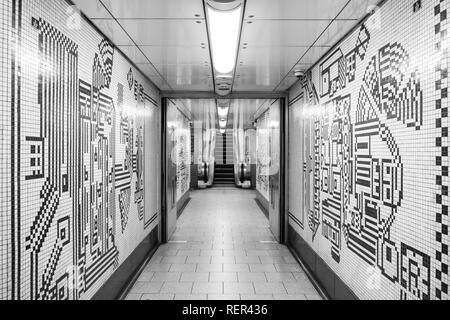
(369, 130)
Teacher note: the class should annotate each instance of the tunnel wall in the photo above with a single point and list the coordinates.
(368, 160)
(80, 177)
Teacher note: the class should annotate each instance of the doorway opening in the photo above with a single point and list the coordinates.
(233, 145)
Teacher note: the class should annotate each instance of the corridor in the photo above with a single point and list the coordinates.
(223, 249)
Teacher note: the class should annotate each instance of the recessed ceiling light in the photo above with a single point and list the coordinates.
(224, 29)
(222, 112)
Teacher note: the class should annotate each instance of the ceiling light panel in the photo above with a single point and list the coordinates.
(224, 28)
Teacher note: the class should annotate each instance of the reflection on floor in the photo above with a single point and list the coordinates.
(223, 249)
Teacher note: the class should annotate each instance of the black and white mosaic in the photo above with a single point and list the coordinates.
(374, 152)
(77, 155)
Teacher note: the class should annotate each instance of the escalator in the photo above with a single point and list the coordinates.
(224, 175)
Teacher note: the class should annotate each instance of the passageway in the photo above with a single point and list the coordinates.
(223, 249)
(224, 149)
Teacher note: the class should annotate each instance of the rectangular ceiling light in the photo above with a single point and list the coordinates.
(224, 28)
(222, 123)
(222, 112)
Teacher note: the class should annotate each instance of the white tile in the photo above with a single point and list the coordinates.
(238, 287)
(208, 287)
(157, 296)
(166, 276)
(194, 276)
(223, 277)
(176, 287)
(224, 297)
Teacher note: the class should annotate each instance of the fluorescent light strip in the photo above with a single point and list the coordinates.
(224, 27)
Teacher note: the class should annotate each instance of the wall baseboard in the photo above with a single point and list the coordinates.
(263, 203)
(123, 278)
(325, 277)
(182, 203)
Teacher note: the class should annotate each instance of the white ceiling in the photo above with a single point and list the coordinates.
(164, 38)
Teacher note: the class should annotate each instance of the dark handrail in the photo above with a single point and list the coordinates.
(242, 175)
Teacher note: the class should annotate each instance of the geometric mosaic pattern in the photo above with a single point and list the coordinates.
(374, 141)
(263, 155)
(77, 148)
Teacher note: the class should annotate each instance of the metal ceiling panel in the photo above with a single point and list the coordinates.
(293, 9)
(357, 9)
(270, 55)
(166, 32)
(278, 33)
(177, 55)
(147, 69)
(92, 9)
(155, 9)
(134, 54)
(335, 32)
(114, 32)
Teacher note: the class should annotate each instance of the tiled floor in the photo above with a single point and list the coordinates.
(223, 249)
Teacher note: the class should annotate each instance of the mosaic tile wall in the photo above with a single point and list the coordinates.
(263, 152)
(80, 143)
(183, 152)
(372, 121)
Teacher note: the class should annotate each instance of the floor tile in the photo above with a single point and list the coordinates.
(208, 287)
(238, 287)
(133, 296)
(288, 267)
(166, 276)
(237, 267)
(280, 277)
(269, 288)
(226, 253)
(262, 267)
(289, 297)
(251, 277)
(223, 277)
(146, 276)
(223, 297)
(247, 260)
(146, 287)
(195, 259)
(157, 296)
(181, 296)
(194, 277)
(209, 267)
(176, 287)
(257, 297)
(300, 287)
(178, 267)
(158, 267)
